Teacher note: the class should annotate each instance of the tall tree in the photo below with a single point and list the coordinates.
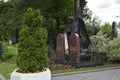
(93, 25)
(6, 20)
(106, 29)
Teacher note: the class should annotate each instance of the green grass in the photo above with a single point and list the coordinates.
(84, 69)
(6, 68)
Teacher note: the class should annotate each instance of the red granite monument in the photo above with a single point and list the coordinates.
(60, 48)
(74, 47)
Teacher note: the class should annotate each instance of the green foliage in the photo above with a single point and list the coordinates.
(92, 23)
(118, 25)
(55, 12)
(86, 14)
(32, 46)
(10, 19)
(98, 41)
(106, 29)
(9, 52)
(56, 16)
(113, 50)
(5, 20)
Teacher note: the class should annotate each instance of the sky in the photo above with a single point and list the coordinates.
(106, 10)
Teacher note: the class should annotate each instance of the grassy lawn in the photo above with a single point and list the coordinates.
(85, 69)
(6, 68)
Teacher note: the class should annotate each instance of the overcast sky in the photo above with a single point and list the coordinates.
(107, 10)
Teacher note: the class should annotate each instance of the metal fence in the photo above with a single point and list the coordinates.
(91, 58)
(84, 59)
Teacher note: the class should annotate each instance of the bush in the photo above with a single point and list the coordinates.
(98, 41)
(107, 29)
(9, 52)
(32, 48)
(113, 50)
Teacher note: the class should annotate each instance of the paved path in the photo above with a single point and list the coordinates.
(101, 75)
(1, 77)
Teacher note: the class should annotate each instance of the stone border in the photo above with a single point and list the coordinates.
(87, 71)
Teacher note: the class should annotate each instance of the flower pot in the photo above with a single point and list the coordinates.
(45, 75)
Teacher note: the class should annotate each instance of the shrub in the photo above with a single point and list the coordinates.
(106, 29)
(9, 52)
(32, 48)
(113, 50)
(98, 41)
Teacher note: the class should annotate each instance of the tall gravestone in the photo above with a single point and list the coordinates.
(114, 30)
(15, 36)
(74, 47)
(60, 48)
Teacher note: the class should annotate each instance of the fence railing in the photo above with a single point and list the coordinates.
(84, 59)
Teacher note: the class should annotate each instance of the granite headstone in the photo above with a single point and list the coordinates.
(60, 48)
(74, 48)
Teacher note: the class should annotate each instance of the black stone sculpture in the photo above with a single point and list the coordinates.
(96, 30)
(114, 30)
(78, 26)
(83, 34)
(15, 36)
(72, 27)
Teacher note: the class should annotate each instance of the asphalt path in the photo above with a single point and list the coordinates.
(100, 75)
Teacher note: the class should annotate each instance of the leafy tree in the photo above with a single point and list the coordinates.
(5, 20)
(55, 12)
(106, 29)
(93, 25)
(10, 19)
(32, 46)
(118, 25)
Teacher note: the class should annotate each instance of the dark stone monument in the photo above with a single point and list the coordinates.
(96, 30)
(60, 48)
(83, 33)
(50, 46)
(74, 47)
(114, 31)
(73, 28)
(1, 48)
(78, 26)
(73, 25)
(15, 36)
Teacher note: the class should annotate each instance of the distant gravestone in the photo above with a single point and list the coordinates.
(1, 47)
(74, 47)
(15, 36)
(60, 49)
(114, 30)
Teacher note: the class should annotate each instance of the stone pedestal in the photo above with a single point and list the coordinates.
(45, 75)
